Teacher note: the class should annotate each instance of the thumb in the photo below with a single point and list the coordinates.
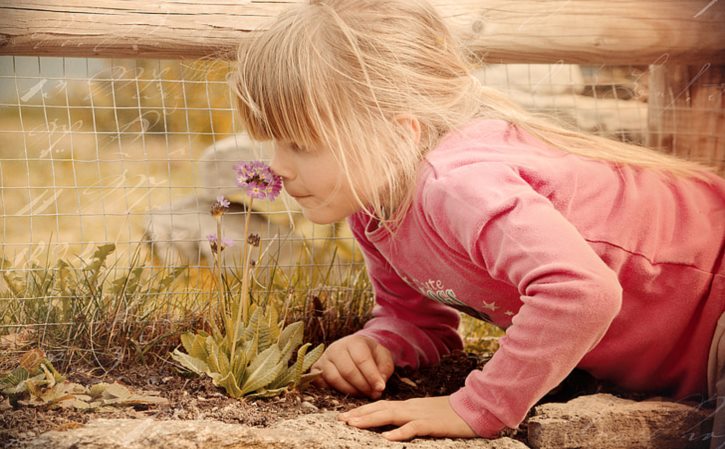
(384, 361)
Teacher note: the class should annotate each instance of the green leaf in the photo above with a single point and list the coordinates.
(287, 352)
(251, 329)
(267, 393)
(230, 329)
(292, 373)
(230, 385)
(198, 347)
(187, 341)
(307, 378)
(100, 256)
(264, 335)
(290, 339)
(292, 333)
(29, 384)
(263, 370)
(13, 379)
(273, 322)
(191, 363)
(214, 356)
(238, 363)
(251, 349)
(312, 357)
(224, 365)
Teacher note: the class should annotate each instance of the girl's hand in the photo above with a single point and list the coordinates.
(355, 365)
(415, 417)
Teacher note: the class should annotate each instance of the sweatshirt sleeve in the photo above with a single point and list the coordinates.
(416, 330)
(569, 295)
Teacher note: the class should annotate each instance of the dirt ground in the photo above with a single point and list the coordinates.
(197, 398)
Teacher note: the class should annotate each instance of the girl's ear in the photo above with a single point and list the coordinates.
(409, 125)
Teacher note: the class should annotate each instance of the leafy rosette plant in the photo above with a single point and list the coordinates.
(251, 355)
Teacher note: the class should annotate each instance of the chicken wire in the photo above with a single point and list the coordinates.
(133, 152)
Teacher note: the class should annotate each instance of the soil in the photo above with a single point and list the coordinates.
(198, 398)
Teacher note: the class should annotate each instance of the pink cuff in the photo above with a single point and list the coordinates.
(483, 422)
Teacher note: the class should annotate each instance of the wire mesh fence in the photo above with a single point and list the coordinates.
(98, 158)
(133, 152)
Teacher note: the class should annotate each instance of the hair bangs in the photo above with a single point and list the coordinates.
(282, 93)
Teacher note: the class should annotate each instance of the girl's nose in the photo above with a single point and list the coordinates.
(278, 166)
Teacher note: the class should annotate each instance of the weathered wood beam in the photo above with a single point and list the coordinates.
(526, 31)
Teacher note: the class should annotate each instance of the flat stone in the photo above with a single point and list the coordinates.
(603, 421)
(313, 431)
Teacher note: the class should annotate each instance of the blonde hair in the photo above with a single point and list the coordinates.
(339, 73)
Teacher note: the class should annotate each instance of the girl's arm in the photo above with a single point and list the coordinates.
(569, 295)
(416, 330)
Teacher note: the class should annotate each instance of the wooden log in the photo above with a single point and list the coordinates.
(524, 31)
(687, 112)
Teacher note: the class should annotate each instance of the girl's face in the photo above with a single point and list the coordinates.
(316, 181)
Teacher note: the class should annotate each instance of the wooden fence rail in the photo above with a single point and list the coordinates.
(524, 31)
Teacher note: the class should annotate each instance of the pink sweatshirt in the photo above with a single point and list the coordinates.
(615, 271)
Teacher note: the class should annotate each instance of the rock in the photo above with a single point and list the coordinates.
(178, 234)
(314, 431)
(603, 421)
(309, 405)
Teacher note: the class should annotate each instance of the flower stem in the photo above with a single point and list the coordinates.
(244, 309)
(218, 260)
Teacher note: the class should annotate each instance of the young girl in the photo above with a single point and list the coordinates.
(589, 252)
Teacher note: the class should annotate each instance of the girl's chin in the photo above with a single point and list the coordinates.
(316, 216)
(323, 215)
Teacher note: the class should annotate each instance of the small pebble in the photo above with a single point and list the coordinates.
(308, 405)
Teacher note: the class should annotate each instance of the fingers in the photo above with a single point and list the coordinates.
(384, 361)
(362, 356)
(346, 382)
(432, 416)
(407, 431)
(376, 414)
(398, 413)
(355, 365)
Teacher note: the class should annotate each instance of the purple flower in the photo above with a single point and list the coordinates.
(223, 202)
(258, 180)
(214, 243)
(219, 206)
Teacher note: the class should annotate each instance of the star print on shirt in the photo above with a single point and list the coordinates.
(490, 306)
